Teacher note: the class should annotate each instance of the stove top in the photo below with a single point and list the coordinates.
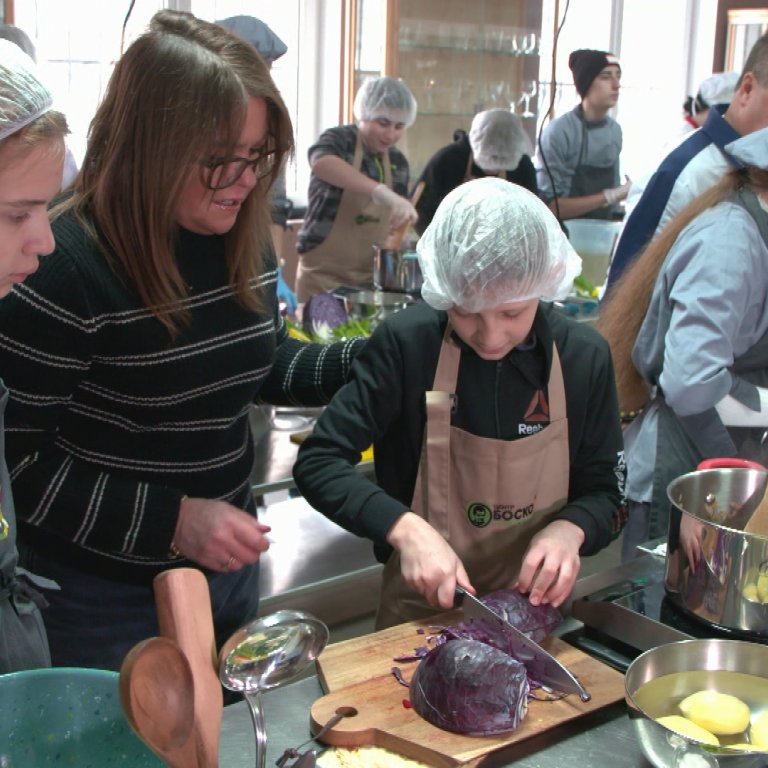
(628, 612)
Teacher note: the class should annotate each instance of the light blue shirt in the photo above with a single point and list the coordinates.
(709, 306)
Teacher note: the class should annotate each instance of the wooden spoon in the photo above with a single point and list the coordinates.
(394, 240)
(183, 604)
(157, 693)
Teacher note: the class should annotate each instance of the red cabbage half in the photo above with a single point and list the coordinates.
(469, 687)
(323, 310)
(466, 684)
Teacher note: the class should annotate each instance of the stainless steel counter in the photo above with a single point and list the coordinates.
(275, 453)
(602, 739)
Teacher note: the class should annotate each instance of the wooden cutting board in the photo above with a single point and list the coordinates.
(357, 673)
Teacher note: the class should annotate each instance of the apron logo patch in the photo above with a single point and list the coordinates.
(481, 515)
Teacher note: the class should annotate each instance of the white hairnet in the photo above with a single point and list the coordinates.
(716, 89)
(385, 97)
(498, 140)
(492, 242)
(23, 98)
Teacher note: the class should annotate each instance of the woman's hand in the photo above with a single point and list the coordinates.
(427, 562)
(219, 536)
(551, 563)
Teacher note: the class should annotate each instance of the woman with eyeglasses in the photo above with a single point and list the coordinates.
(138, 348)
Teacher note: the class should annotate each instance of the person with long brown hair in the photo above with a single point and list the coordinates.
(688, 329)
(141, 344)
(31, 162)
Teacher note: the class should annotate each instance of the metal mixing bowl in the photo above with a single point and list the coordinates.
(737, 667)
(374, 306)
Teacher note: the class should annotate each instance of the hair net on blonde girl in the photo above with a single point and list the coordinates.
(23, 98)
(492, 242)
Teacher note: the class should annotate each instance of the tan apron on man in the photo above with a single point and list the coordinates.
(486, 497)
(345, 257)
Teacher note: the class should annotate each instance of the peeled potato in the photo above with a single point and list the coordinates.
(750, 593)
(688, 728)
(758, 733)
(762, 587)
(719, 713)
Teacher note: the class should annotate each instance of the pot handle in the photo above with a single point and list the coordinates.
(729, 464)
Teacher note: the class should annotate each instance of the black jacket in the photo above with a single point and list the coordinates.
(384, 404)
(445, 171)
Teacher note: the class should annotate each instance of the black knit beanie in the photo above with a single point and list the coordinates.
(586, 65)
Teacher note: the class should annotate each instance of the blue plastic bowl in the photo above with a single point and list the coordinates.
(67, 717)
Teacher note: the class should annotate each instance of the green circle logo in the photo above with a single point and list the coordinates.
(479, 514)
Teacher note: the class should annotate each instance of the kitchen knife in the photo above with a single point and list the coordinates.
(541, 665)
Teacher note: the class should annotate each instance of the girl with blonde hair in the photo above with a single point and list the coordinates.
(688, 329)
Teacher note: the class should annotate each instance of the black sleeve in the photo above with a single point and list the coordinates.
(596, 498)
(439, 179)
(358, 416)
(525, 175)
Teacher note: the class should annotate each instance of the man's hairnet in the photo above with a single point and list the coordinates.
(492, 242)
(23, 98)
(385, 97)
(498, 140)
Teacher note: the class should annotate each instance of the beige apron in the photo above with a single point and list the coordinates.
(486, 497)
(469, 176)
(345, 257)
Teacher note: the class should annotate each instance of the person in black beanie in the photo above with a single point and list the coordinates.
(577, 162)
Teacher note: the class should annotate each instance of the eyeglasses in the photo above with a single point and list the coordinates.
(225, 171)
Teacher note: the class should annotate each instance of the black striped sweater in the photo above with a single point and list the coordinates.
(110, 421)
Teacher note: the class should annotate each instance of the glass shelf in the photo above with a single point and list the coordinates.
(406, 47)
(469, 115)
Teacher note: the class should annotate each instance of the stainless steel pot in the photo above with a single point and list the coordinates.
(395, 270)
(374, 306)
(713, 664)
(713, 567)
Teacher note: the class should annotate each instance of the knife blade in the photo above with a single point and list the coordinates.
(541, 664)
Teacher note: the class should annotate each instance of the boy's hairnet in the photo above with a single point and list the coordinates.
(498, 140)
(492, 242)
(23, 98)
(385, 97)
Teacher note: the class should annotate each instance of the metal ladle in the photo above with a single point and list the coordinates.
(266, 653)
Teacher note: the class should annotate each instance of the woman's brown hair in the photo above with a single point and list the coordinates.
(622, 313)
(178, 91)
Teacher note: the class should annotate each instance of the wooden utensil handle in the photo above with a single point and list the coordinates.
(184, 614)
(395, 239)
